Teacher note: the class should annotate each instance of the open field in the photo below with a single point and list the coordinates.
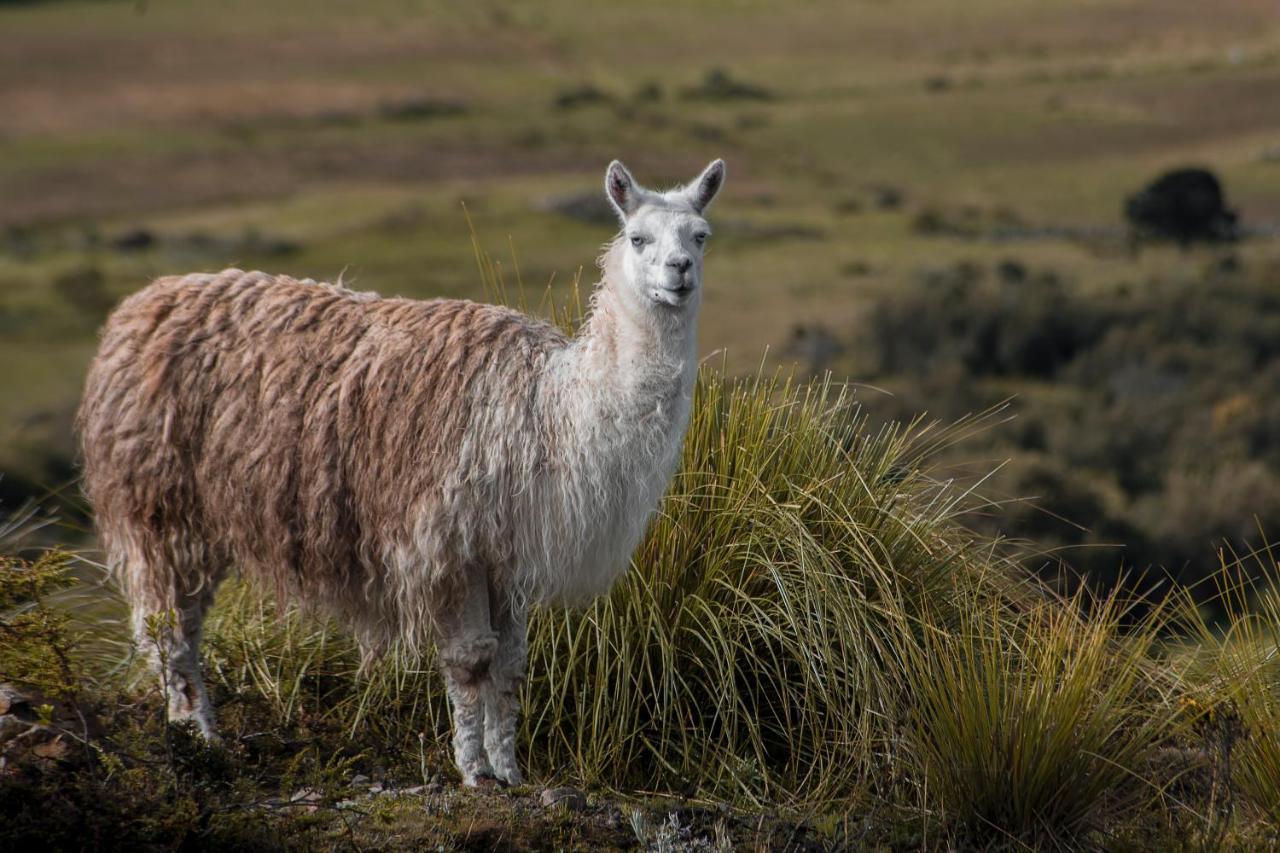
(868, 143)
(921, 194)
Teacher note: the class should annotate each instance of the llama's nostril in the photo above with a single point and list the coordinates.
(680, 263)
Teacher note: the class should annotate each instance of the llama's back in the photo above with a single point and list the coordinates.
(297, 430)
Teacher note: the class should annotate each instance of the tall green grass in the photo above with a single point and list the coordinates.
(757, 650)
(1036, 730)
(1231, 684)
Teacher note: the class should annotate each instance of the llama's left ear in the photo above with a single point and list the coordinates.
(702, 191)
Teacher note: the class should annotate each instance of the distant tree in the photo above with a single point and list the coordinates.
(1183, 205)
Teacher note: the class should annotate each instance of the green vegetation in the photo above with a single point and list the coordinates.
(828, 638)
(808, 632)
(1147, 410)
(871, 145)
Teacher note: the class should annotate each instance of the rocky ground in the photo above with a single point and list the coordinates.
(57, 762)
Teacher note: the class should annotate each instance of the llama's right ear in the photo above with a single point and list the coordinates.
(621, 190)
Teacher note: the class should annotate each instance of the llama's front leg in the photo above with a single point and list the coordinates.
(467, 645)
(502, 691)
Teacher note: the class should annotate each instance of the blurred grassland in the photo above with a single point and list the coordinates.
(344, 141)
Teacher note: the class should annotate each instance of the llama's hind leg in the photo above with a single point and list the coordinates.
(467, 644)
(502, 690)
(169, 632)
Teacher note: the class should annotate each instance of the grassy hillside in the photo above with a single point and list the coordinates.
(810, 653)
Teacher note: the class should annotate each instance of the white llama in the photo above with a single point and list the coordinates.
(424, 470)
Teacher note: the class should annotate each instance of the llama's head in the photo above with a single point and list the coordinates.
(659, 253)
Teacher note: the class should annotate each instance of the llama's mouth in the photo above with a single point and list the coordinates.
(673, 296)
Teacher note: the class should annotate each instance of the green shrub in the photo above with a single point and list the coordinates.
(719, 85)
(1159, 398)
(36, 642)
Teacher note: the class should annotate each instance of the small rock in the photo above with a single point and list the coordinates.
(571, 798)
(18, 703)
(359, 779)
(376, 788)
(414, 791)
(53, 749)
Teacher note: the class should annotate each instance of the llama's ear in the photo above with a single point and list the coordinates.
(702, 191)
(621, 190)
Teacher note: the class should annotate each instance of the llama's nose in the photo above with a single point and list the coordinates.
(680, 263)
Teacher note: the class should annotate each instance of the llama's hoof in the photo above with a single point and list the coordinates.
(486, 782)
(508, 776)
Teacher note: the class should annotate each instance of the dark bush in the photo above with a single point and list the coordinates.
(720, 85)
(420, 109)
(1183, 205)
(85, 289)
(582, 95)
(134, 240)
(1009, 328)
(647, 93)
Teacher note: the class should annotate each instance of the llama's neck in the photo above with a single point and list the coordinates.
(617, 405)
(622, 355)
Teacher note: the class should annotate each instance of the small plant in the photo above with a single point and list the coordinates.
(1239, 719)
(36, 642)
(420, 109)
(671, 836)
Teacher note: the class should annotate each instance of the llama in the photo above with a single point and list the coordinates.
(423, 470)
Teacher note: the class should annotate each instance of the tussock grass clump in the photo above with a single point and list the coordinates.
(1032, 730)
(1233, 680)
(759, 647)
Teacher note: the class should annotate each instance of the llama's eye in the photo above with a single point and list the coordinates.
(700, 238)
(638, 242)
